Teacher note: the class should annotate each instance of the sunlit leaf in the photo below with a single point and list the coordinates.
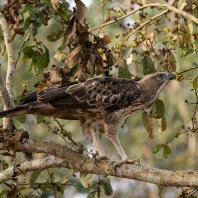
(86, 179)
(148, 65)
(157, 148)
(166, 151)
(58, 56)
(162, 123)
(158, 109)
(63, 43)
(195, 82)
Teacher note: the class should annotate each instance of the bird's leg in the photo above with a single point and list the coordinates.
(97, 143)
(113, 136)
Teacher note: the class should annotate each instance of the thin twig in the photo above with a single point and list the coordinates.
(189, 69)
(169, 7)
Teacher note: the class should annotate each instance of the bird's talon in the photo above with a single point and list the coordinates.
(118, 164)
(97, 159)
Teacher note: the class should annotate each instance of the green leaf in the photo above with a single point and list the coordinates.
(195, 64)
(37, 63)
(61, 189)
(123, 72)
(54, 36)
(157, 148)
(25, 25)
(34, 15)
(63, 43)
(34, 176)
(160, 191)
(28, 53)
(166, 151)
(63, 11)
(86, 179)
(148, 124)
(195, 13)
(105, 183)
(46, 58)
(27, 7)
(195, 82)
(58, 56)
(162, 123)
(21, 118)
(148, 65)
(92, 194)
(158, 109)
(189, 49)
(193, 196)
(38, 119)
(3, 192)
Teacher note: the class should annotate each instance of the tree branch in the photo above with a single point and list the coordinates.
(105, 167)
(7, 95)
(38, 164)
(169, 7)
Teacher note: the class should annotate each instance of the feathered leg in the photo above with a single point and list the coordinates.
(112, 134)
(96, 141)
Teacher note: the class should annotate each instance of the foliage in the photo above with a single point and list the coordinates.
(153, 39)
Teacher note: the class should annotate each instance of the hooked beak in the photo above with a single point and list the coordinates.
(171, 76)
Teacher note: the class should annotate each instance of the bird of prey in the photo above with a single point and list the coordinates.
(99, 104)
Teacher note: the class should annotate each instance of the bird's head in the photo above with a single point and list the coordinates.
(156, 82)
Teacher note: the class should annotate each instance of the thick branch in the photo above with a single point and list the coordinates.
(169, 7)
(38, 164)
(106, 167)
(7, 95)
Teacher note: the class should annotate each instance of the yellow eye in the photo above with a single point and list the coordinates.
(158, 78)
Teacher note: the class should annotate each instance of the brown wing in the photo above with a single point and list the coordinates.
(109, 93)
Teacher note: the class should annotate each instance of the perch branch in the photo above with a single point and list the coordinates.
(38, 164)
(105, 167)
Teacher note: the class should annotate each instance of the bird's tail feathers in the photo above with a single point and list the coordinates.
(22, 109)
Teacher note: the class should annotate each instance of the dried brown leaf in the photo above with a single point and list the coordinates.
(79, 72)
(73, 58)
(55, 76)
(171, 62)
(81, 11)
(55, 4)
(148, 124)
(71, 30)
(13, 192)
(91, 63)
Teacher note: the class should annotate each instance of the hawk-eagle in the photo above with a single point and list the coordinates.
(99, 104)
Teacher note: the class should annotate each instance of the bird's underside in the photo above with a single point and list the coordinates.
(99, 104)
